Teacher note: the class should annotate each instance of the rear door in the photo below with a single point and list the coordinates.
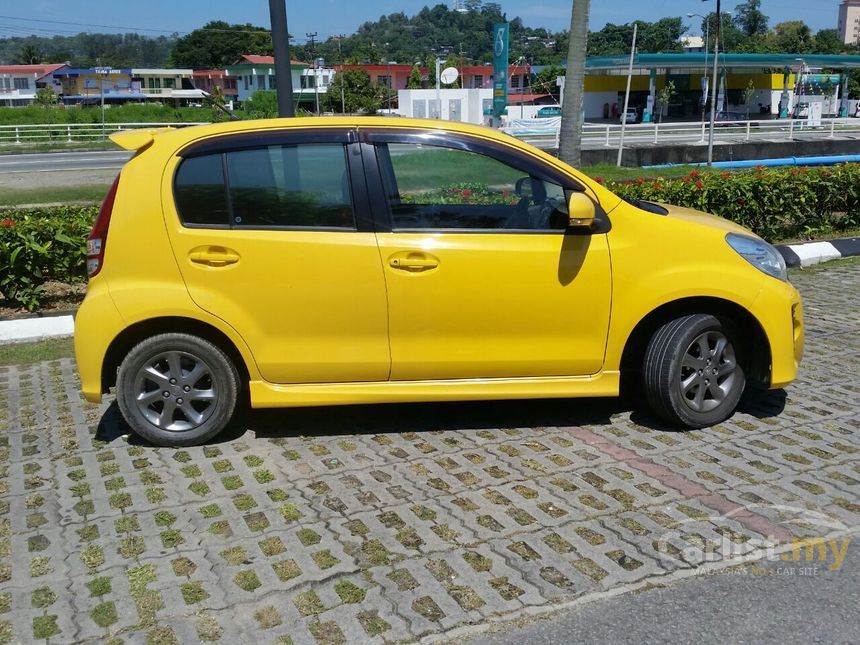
(272, 234)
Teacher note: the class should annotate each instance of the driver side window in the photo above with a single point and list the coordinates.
(432, 187)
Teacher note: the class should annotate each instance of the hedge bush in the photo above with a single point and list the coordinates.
(42, 244)
(777, 204)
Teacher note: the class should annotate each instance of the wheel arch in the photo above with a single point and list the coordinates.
(135, 333)
(756, 349)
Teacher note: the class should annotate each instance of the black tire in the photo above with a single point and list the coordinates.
(675, 371)
(210, 398)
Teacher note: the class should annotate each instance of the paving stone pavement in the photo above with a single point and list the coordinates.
(396, 523)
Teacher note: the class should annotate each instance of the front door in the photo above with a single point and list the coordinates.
(484, 279)
(271, 234)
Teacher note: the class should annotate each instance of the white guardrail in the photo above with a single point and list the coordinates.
(609, 135)
(72, 132)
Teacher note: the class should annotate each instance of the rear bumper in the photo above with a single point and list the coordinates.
(96, 325)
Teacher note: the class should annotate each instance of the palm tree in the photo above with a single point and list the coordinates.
(29, 55)
(570, 145)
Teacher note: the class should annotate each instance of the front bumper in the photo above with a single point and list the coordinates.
(779, 309)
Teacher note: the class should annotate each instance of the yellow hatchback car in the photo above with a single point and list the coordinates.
(329, 261)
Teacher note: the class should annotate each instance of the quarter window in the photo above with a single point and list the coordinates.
(430, 187)
(200, 195)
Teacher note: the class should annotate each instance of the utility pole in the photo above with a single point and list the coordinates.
(281, 45)
(627, 93)
(312, 40)
(570, 145)
(340, 38)
(714, 85)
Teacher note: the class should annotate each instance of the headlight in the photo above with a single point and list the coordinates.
(760, 254)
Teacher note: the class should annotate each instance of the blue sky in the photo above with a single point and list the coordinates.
(329, 17)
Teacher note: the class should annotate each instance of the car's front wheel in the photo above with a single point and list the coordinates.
(177, 389)
(692, 373)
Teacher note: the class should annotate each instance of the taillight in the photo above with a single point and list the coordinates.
(98, 236)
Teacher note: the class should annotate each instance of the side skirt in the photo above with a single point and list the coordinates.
(269, 395)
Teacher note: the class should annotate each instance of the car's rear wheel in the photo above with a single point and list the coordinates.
(177, 389)
(692, 373)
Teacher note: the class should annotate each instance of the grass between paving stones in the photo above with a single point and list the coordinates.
(46, 350)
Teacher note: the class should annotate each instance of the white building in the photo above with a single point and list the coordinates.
(849, 22)
(450, 104)
(19, 83)
(693, 44)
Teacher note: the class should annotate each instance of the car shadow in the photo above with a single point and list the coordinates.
(430, 417)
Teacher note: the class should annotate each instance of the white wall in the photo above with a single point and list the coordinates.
(593, 103)
(422, 103)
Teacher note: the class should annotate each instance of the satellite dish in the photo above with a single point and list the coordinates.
(449, 75)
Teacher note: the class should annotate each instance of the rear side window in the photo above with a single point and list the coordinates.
(292, 186)
(281, 186)
(200, 194)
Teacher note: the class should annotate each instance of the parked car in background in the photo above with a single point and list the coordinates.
(630, 117)
(332, 261)
(549, 112)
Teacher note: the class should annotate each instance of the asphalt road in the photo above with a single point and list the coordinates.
(773, 602)
(54, 161)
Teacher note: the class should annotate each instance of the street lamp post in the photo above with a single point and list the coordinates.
(281, 46)
(707, 44)
(714, 85)
(102, 72)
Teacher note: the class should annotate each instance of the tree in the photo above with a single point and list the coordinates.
(46, 97)
(664, 96)
(218, 103)
(748, 95)
(750, 19)
(414, 81)
(218, 44)
(262, 104)
(545, 81)
(827, 41)
(794, 37)
(570, 140)
(358, 94)
(29, 56)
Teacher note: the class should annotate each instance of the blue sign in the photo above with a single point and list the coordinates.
(501, 35)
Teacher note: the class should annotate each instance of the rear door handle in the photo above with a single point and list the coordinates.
(214, 257)
(413, 262)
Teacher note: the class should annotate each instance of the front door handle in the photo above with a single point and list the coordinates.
(413, 262)
(213, 256)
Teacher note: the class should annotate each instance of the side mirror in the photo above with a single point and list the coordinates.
(581, 210)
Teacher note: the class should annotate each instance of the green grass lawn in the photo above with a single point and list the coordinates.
(52, 195)
(57, 146)
(45, 350)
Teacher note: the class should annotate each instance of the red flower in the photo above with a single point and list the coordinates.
(695, 174)
(793, 172)
(640, 181)
(726, 175)
(700, 185)
(8, 223)
(657, 187)
(759, 167)
(599, 180)
(467, 193)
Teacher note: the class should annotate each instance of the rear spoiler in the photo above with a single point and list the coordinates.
(136, 140)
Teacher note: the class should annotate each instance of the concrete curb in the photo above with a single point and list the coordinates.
(30, 329)
(810, 253)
